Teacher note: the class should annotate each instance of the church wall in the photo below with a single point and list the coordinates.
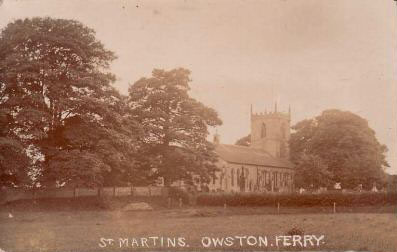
(271, 146)
(256, 179)
(269, 131)
(272, 127)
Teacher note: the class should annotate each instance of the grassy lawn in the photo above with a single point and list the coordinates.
(82, 230)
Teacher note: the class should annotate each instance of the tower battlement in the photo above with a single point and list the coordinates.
(271, 114)
(270, 131)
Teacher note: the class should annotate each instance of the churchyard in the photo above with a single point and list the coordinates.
(90, 225)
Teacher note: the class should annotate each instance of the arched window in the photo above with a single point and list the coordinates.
(266, 178)
(242, 179)
(232, 174)
(263, 131)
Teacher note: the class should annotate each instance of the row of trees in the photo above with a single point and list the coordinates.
(62, 121)
(335, 147)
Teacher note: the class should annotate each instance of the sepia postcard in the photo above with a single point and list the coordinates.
(198, 125)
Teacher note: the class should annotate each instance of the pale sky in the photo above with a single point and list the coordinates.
(310, 54)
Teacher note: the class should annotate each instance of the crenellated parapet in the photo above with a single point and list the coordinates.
(271, 114)
(270, 131)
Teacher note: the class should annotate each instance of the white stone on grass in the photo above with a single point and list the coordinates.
(137, 206)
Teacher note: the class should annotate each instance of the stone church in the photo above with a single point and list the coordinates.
(264, 166)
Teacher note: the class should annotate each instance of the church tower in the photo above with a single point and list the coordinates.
(270, 131)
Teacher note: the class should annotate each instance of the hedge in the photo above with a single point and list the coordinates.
(178, 193)
(299, 200)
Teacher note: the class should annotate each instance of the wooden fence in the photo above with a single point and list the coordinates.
(8, 195)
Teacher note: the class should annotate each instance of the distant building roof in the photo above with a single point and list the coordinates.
(246, 155)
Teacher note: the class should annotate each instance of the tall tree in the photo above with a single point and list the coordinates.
(176, 126)
(55, 85)
(340, 146)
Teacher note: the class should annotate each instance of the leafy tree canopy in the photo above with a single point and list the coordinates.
(337, 146)
(55, 87)
(176, 126)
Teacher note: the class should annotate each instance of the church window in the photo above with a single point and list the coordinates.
(263, 131)
(266, 177)
(273, 179)
(281, 179)
(232, 175)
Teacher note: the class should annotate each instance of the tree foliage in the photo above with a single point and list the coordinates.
(13, 157)
(176, 126)
(337, 146)
(244, 141)
(312, 172)
(55, 87)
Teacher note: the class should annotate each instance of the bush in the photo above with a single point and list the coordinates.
(299, 200)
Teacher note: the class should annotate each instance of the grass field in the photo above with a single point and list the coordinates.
(81, 230)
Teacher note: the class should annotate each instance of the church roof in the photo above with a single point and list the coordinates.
(247, 155)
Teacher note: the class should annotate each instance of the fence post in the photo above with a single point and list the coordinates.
(278, 207)
(334, 207)
(224, 205)
(114, 191)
